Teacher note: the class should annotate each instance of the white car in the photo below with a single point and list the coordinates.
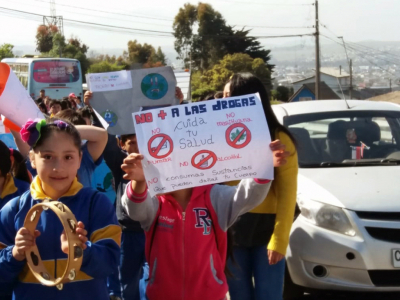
(347, 236)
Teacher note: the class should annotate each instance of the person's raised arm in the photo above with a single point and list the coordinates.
(23, 147)
(96, 139)
(138, 203)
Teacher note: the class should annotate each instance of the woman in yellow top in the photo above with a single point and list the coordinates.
(262, 235)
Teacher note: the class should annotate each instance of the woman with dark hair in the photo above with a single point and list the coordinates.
(14, 177)
(262, 235)
(43, 108)
(65, 104)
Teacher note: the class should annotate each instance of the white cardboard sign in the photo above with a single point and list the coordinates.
(204, 143)
(116, 95)
(111, 81)
(15, 102)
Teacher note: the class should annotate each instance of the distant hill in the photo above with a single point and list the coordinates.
(305, 50)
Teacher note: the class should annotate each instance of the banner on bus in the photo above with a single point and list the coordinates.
(116, 95)
(15, 103)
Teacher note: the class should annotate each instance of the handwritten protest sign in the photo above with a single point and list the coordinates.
(115, 100)
(111, 81)
(204, 143)
(15, 102)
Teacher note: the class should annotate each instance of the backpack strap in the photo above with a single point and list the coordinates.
(90, 212)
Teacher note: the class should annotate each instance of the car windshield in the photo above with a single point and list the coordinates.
(346, 138)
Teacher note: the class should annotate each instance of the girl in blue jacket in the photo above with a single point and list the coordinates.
(14, 177)
(56, 155)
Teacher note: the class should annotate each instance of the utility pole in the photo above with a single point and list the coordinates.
(54, 20)
(351, 80)
(317, 62)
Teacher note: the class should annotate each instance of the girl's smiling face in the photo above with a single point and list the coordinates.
(57, 161)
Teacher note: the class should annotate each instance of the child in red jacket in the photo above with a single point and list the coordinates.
(186, 241)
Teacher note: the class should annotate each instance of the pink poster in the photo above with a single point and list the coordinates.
(55, 71)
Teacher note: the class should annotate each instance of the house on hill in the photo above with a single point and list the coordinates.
(336, 79)
(307, 92)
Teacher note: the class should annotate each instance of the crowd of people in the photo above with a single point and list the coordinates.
(141, 247)
(50, 107)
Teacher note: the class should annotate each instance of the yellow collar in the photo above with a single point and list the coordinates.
(9, 187)
(38, 193)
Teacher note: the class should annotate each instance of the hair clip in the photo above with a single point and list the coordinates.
(61, 124)
(30, 132)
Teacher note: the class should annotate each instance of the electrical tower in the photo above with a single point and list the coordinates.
(53, 19)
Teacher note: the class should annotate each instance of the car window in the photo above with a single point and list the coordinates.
(343, 137)
(386, 132)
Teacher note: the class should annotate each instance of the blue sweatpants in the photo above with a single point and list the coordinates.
(131, 264)
(253, 262)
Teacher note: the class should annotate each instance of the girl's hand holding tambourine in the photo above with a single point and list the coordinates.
(24, 240)
(82, 234)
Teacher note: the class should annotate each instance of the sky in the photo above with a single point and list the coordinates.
(355, 20)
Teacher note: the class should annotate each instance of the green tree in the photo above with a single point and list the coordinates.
(213, 39)
(242, 43)
(6, 51)
(160, 57)
(219, 74)
(104, 66)
(73, 49)
(206, 45)
(44, 37)
(139, 53)
(282, 93)
(145, 55)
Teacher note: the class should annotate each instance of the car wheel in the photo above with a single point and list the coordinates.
(291, 291)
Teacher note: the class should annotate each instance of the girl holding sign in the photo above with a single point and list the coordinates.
(262, 235)
(186, 240)
(56, 155)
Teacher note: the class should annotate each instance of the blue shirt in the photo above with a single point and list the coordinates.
(85, 172)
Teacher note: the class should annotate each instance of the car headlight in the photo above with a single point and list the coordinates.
(326, 216)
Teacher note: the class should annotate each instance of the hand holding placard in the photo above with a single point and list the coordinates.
(204, 143)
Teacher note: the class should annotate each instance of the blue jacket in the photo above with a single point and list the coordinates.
(99, 259)
(13, 187)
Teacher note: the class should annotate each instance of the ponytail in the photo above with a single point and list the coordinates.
(19, 169)
(13, 162)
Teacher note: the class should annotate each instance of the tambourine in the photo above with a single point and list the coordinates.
(75, 251)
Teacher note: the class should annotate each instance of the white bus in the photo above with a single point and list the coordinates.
(57, 76)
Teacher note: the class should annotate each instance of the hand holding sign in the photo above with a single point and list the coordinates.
(133, 167)
(279, 153)
(205, 143)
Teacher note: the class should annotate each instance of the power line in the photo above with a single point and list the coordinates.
(276, 27)
(359, 45)
(110, 12)
(86, 14)
(264, 3)
(138, 30)
(91, 23)
(355, 50)
(147, 17)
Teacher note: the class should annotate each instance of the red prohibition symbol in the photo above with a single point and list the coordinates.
(154, 150)
(204, 163)
(244, 133)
